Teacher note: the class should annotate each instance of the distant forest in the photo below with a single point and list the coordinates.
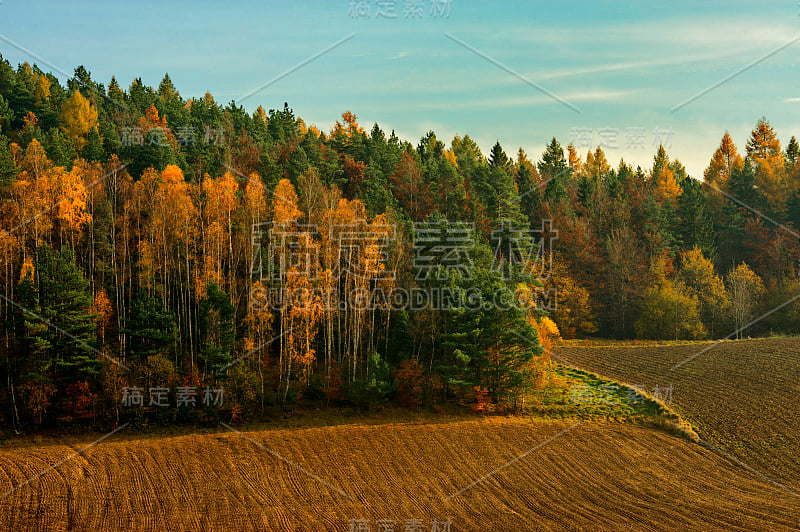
(145, 237)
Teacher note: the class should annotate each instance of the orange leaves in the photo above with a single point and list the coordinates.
(351, 123)
(284, 207)
(763, 142)
(724, 161)
(354, 171)
(71, 196)
(103, 310)
(27, 270)
(220, 195)
(35, 161)
(167, 214)
(46, 195)
(254, 198)
(219, 205)
(151, 120)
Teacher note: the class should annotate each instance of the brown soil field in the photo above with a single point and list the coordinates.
(741, 396)
(536, 475)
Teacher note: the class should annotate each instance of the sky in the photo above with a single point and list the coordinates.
(519, 72)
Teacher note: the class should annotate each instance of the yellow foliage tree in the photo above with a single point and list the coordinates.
(78, 118)
(764, 149)
(698, 276)
(723, 162)
(746, 289)
(667, 186)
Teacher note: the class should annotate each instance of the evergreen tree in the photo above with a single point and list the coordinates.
(743, 187)
(792, 152)
(554, 171)
(150, 328)
(8, 170)
(66, 300)
(695, 224)
(217, 329)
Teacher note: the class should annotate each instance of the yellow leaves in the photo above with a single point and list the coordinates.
(596, 164)
(42, 89)
(163, 203)
(667, 186)
(254, 203)
(573, 312)
(549, 327)
(451, 158)
(35, 161)
(764, 149)
(145, 264)
(78, 118)
(219, 204)
(548, 334)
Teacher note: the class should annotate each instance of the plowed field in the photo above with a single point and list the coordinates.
(531, 476)
(742, 396)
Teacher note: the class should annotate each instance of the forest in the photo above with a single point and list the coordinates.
(155, 243)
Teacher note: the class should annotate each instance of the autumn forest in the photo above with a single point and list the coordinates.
(148, 240)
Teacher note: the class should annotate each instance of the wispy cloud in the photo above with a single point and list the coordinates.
(399, 55)
(792, 100)
(597, 95)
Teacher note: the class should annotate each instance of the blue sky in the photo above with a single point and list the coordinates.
(622, 64)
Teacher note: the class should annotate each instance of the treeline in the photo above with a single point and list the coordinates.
(145, 237)
(142, 235)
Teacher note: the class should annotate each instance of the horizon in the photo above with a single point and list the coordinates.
(608, 75)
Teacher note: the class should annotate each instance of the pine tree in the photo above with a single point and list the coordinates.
(695, 224)
(554, 171)
(217, 329)
(792, 152)
(150, 328)
(66, 301)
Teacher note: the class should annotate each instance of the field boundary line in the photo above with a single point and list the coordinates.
(740, 329)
